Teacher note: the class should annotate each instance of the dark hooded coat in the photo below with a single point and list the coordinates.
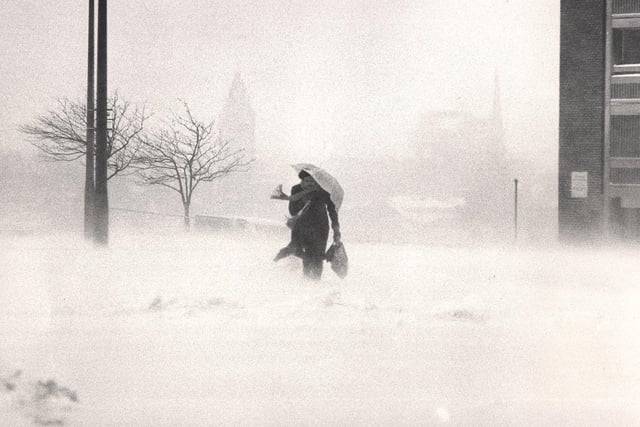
(310, 233)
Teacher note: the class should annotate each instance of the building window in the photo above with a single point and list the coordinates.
(625, 6)
(626, 47)
(628, 176)
(625, 136)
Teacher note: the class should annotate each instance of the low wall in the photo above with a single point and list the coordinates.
(206, 223)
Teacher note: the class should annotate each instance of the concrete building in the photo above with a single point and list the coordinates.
(599, 135)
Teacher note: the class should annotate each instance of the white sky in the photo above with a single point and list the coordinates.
(348, 75)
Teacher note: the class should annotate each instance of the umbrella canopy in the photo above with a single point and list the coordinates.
(325, 180)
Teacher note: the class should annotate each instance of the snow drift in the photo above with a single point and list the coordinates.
(207, 330)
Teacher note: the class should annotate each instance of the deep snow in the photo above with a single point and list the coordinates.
(205, 329)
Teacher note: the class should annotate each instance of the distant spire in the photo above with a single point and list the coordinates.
(238, 91)
(496, 114)
(237, 122)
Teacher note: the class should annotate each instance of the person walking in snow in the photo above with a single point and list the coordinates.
(309, 205)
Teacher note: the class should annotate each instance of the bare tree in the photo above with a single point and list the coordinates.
(61, 133)
(185, 153)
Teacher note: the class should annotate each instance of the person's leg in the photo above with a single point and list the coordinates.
(306, 266)
(294, 247)
(313, 268)
(309, 262)
(314, 253)
(284, 252)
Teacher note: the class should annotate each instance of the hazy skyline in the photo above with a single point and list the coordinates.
(351, 76)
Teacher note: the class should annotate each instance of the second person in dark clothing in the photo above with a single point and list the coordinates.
(309, 205)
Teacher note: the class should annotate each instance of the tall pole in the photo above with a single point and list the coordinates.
(102, 199)
(606, 164)
(515, 210)
(89, 182)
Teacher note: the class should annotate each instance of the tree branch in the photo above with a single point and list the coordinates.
(60, 134)
(185, 153)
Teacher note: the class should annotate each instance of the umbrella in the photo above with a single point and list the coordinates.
(325, 180)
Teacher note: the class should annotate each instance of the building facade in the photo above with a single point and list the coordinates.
(599, 123)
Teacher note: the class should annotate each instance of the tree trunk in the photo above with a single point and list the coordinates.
(187, 218)
(102, 200)
(89, 182)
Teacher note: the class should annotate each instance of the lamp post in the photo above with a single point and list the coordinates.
(102, 200)
(89, 183)
(515, 210)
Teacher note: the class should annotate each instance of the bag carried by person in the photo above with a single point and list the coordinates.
(337, 256)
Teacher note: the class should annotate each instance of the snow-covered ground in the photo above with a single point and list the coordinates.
(207, 330)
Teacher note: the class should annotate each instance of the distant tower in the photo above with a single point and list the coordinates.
(488, 185)
(238, 121)
(496, 113)
(237, 124)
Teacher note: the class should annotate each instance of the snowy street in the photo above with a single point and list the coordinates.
(207, 330)
(479, 160)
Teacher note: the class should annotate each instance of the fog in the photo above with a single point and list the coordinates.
(455, 310)
(364, 89)
(354, 76)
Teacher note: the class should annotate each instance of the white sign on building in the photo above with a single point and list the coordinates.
(579, 185)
